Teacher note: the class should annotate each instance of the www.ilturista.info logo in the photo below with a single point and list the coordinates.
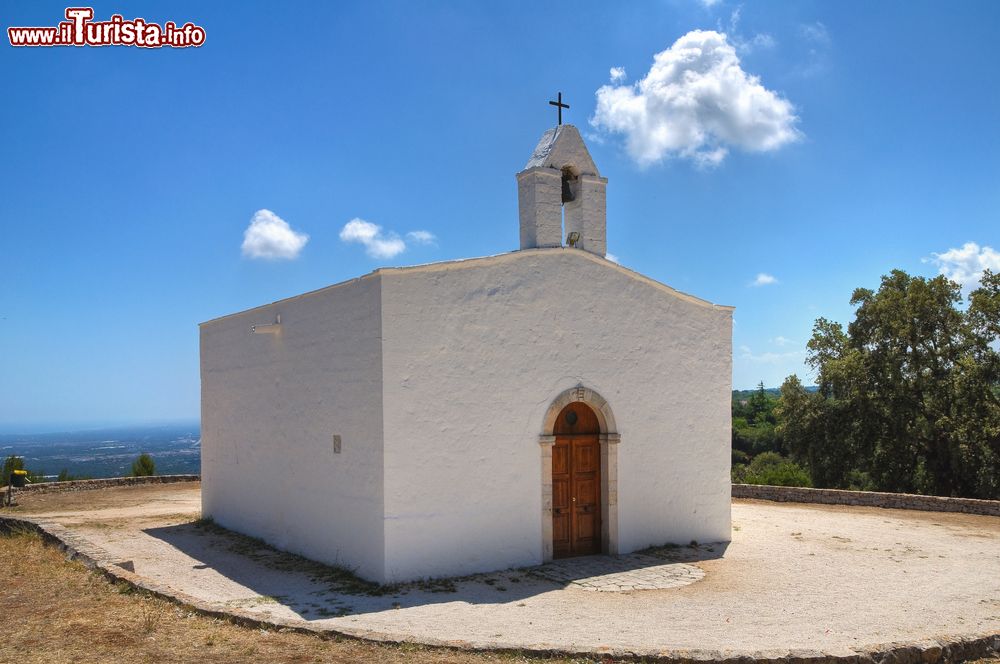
(80, 30)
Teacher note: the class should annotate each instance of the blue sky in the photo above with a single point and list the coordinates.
(129, 176)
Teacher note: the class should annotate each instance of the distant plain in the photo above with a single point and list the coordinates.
(108, 452)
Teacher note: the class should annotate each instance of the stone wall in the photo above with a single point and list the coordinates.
(84, 485)
(899, 501)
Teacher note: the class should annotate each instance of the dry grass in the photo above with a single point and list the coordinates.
(54, 610)
(96, 499)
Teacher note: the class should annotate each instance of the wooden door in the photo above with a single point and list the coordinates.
(576, 483)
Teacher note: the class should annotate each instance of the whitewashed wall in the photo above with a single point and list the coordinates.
(270, 408)
(438, 378)
(475, 351)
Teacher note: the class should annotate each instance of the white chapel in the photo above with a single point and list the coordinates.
(480, 414)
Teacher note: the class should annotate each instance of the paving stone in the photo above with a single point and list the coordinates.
(619, 573)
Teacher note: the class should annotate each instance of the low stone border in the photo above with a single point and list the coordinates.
(104, 483)
(923, 652)
(898, 501)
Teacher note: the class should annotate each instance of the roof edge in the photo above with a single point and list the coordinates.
(460, 263)
(317, 291)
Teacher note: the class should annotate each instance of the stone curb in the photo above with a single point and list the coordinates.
(103, 483)
(899, 501)
(930, 651)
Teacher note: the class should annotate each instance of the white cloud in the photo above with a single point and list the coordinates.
(710, 3)
(966, 265)
(421, 237)
(695, 102)
(377, 243)
(770, 357)
(759, 40)
(771, 367)
(611, 257)
(745, 45)
(269, 236)
(710, 158)
(815, 32)
(764, 279)
(817, 42)
(781, 341)
(617, 74)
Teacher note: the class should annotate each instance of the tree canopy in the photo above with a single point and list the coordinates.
(908, 394)
(143, 466)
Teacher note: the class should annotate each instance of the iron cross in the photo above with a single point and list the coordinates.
(559, 105)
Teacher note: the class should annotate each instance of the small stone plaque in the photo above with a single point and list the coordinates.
(336, 443)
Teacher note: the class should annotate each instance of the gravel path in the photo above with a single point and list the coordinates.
(795, 577)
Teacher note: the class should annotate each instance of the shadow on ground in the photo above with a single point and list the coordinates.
(255, 576)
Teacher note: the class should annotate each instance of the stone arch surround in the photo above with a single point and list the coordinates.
(609, 439)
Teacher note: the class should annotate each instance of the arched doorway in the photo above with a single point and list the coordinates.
(554, 425)
(576, 482)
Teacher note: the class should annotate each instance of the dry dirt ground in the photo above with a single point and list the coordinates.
(56, 611)
(795, 577)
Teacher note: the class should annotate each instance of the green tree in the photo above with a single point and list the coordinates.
(143, 466)
(907, 397)
(754, 423)
(773, 469)
(759, 405)
(818, 430)
(12, 463)
(980, 430)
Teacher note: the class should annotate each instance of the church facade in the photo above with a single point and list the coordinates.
(479, 414)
